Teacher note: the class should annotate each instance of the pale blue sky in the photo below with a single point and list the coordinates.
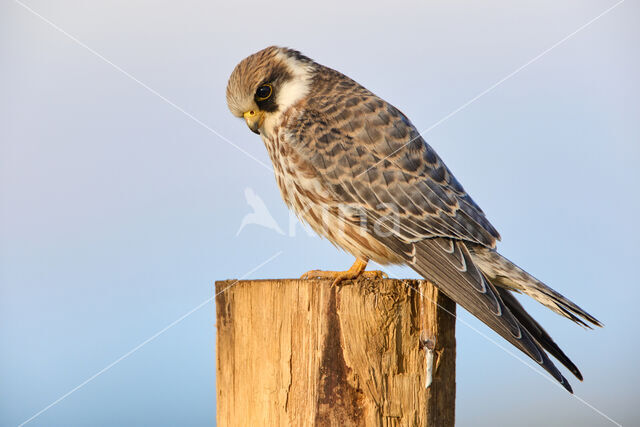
(118, 212)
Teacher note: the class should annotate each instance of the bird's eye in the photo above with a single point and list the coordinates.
(264, 92)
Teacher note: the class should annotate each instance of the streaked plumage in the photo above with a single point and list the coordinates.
(357, 171)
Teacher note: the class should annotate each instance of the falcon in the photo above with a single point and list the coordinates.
(356, 169)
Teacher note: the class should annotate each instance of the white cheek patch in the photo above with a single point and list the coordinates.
(291, 91)
(296, 88)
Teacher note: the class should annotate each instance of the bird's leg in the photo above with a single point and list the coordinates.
(356, 270)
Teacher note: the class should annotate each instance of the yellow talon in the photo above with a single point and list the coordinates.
(356, 270)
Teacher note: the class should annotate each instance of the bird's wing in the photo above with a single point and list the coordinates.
(373, 157)
(448, 264)
(536, 330)
(369, 153)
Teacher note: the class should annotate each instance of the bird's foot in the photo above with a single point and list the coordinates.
(356, 270)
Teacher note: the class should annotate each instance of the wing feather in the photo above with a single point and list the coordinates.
(537, 331)
(458, 277)
(376, 156)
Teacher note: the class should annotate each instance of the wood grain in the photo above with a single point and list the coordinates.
(300, 353)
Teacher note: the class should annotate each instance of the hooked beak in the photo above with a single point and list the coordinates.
(254, 120)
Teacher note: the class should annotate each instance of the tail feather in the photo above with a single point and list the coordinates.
(449, 265)
(537, 332)
(503, 273)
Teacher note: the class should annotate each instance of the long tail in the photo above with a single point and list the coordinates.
(449, 265)
(503, 273)
(537, 332)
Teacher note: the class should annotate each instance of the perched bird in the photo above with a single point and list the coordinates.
(358, 172)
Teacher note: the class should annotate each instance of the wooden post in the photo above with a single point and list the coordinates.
(301, 353)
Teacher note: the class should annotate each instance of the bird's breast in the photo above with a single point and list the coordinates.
(299, 184)
(310, 197)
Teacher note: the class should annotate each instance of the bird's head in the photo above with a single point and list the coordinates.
(267, 83)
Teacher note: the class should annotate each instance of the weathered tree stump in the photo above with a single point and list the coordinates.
(301, 353)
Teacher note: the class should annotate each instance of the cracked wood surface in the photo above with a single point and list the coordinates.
(299, 353)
